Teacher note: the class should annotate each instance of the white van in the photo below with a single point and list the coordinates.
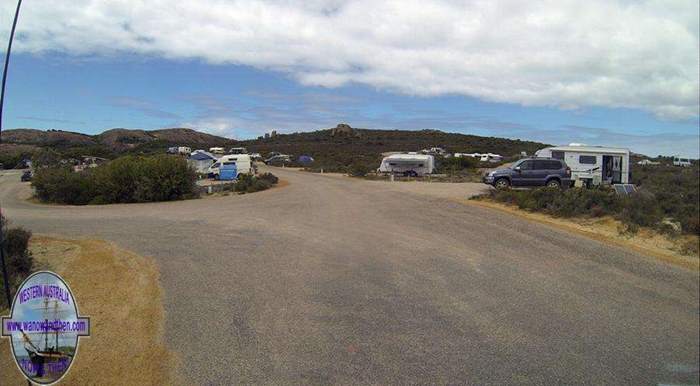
(677, 161)
(243, 162)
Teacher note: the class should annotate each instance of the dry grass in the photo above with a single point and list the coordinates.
(120, 292)
(607, 230)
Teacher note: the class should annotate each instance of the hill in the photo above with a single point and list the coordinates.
(123, 139)
(334, 149)
(47, 138)
(337, 148)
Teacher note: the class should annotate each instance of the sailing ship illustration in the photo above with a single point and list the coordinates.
(51, 359)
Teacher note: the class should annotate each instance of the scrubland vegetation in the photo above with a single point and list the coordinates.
(247, 183)
(18, 259)
(667, 198)
(123, 180)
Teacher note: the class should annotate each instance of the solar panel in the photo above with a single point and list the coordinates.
(625, 189)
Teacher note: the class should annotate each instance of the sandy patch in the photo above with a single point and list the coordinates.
(645, 242)
(120, 292)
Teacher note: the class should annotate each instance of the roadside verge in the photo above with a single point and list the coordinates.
(120, 292)
(605, 230)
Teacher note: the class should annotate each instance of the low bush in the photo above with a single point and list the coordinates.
(18, 259)
(123, 180)
(641, 209)
(358, 169)
(269, 177)
(248, 183)
(455, 165)
(676, 191)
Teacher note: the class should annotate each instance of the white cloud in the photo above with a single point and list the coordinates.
(221, 126)
(564, 53)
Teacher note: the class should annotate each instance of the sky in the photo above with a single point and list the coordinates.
(617, 73)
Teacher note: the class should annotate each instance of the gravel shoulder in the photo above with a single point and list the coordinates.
(120, 292)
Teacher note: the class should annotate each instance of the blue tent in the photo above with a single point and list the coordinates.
(305, 159)
(202, 156)
(228, 172)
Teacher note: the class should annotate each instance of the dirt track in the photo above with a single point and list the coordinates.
(332, 280)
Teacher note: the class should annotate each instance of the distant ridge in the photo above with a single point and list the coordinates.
(115, 139)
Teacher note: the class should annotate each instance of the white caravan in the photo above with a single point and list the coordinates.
(217, 150)
(677, 161)
(592, 165)
(244, 165)
(411, 164)
(483, 157)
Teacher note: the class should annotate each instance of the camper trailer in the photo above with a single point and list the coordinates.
(217, 150)
(482, 157)
(685, 162)
(244, 165)
(411, 164)
(592, 165)
(238, 150)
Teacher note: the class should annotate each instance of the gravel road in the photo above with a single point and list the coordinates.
(343, 281)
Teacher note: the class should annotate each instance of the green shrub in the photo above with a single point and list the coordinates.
(269, 177)
(123, 180)
(248, 183)
(454, 165)
(677, 192)
(18, 259)
(62, 185)
(358, 169)
(641, 209)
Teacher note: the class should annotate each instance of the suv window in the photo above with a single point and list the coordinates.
(587, 159)
(527, 165)
(552, 165)
(547, 165)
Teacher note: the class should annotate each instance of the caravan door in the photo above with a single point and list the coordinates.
(612, 169)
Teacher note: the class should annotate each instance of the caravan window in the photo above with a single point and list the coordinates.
(587, 159)
(557, 154)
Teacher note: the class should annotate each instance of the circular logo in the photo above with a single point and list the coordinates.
(44, 327)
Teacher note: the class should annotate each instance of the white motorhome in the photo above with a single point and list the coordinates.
(677, 161)
(411, 164)
(243, 162)
(217, 150)
(592, 165)
(179, 150)
(238, 150)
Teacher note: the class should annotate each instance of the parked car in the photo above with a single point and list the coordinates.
(26, 176)
(548, 172)
(279, 159)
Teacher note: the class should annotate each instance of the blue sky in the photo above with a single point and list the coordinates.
(250, 75)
